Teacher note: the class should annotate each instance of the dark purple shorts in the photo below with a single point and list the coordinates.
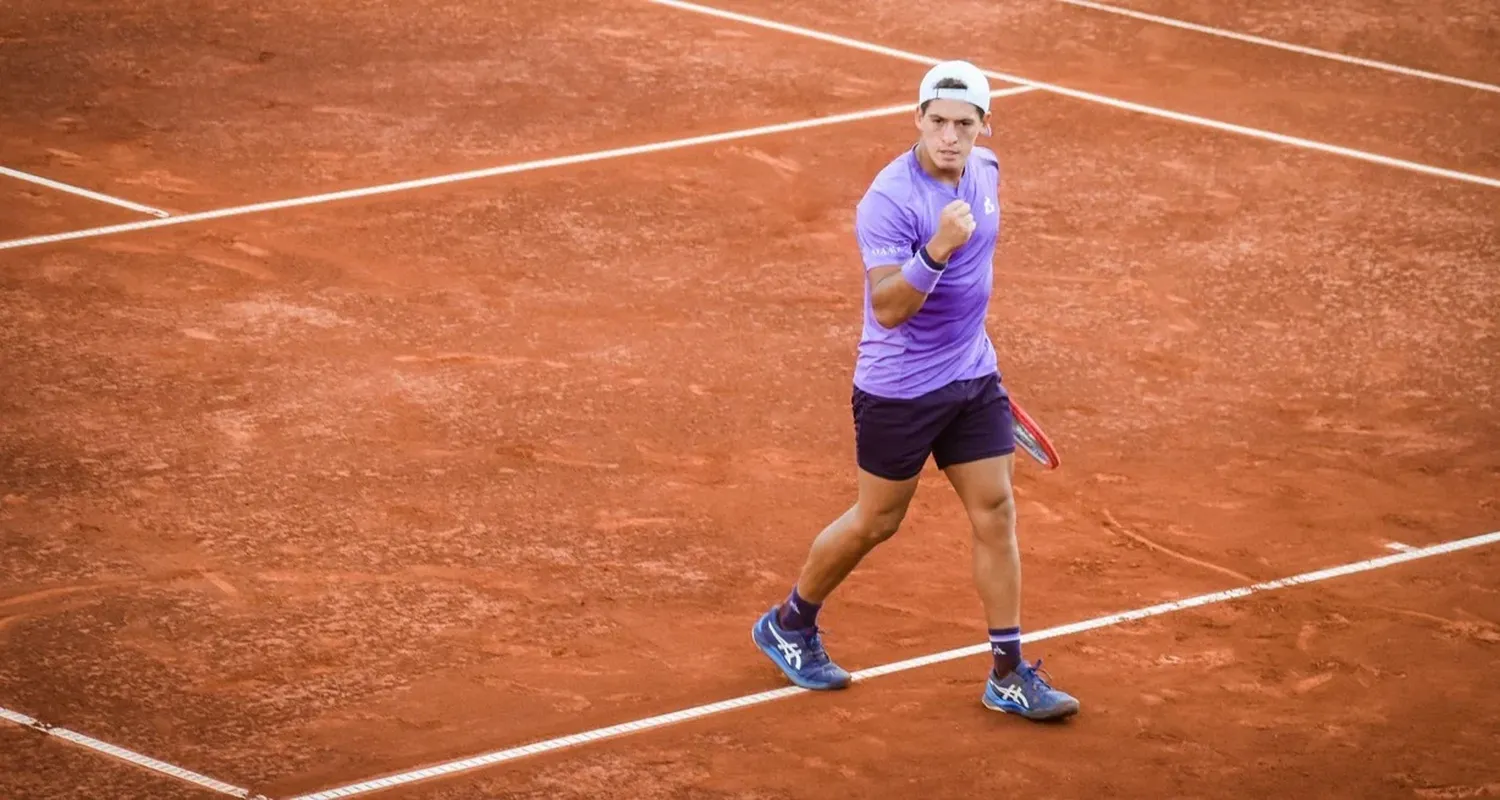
(964, 421)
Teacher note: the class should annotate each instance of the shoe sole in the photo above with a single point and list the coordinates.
(787, 671)
(1064, 710)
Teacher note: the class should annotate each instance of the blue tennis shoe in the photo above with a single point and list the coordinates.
(799, 654)
(1026, 692)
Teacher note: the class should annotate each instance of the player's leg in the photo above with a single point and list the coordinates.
(977, 453)
(875, 517)
(983, 486)
(893, 439)
(788, 633)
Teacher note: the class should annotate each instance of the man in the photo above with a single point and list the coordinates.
(926, 382)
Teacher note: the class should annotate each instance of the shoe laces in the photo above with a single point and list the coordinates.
(816, 654)
(1035, 676)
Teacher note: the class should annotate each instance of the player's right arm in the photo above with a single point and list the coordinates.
(898, 289)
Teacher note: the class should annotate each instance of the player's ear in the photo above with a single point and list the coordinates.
(985, 122)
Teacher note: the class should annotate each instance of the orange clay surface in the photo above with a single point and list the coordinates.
(310, 496)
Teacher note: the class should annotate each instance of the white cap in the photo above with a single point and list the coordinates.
(978, 91)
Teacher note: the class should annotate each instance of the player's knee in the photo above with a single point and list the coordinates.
(994, 515)
(876, 528)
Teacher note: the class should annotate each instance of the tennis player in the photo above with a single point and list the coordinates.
(927, 383)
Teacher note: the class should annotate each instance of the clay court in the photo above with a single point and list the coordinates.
(432, 385)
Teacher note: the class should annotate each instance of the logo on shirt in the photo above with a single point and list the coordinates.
(989, 205)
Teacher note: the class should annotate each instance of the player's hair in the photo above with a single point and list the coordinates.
(951, 83)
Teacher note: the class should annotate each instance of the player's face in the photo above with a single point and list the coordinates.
(949, 128)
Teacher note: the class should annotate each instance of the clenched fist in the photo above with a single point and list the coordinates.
(955, 226)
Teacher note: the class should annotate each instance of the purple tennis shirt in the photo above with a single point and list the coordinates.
(946, 340)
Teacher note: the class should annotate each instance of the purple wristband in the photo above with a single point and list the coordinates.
(920, 274)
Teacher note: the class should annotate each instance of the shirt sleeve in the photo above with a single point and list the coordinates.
(885, 231)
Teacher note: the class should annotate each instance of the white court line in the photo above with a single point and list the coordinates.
(1257, 133)
(526, 166)
(129, 756)
(1295, 48)
(698, 712)
(92, 195)
(1399, 547)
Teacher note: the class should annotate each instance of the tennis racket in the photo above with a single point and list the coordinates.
(1031, 438)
